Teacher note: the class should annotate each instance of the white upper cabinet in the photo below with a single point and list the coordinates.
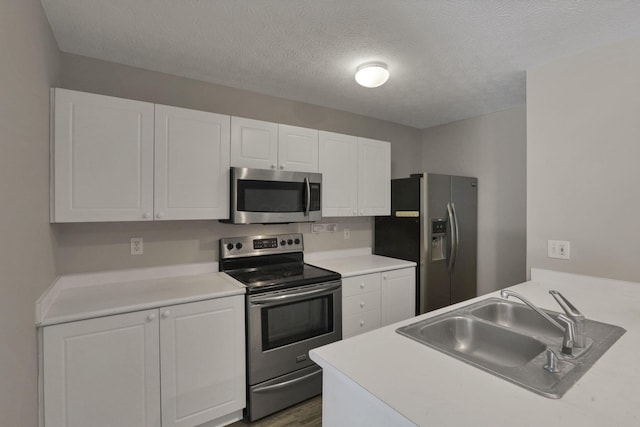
(102, 153)
(266, 145)
(191, 164)
(254, 143)
(356, 175)
(339, 167)
(110, 163)
(374, 177)
(297, 149)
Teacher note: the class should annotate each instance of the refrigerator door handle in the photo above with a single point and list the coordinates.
(455, 237)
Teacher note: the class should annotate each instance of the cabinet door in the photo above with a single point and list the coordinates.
(398, 295)
(102, 158)
(297, 149)
(338, 163)
(202, 361)
(191, 164)
(103, 372)
(254, 144)
(374, 177)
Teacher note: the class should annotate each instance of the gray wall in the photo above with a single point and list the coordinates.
(94, 247)
(28, 67)
(583, 151)
(492, 148)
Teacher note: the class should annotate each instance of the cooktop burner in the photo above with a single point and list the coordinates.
(265, 263)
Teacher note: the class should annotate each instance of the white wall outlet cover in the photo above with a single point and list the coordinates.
(137, 247)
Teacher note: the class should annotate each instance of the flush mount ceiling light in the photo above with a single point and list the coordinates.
(372, 74)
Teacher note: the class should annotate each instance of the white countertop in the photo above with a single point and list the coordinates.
(355, 262)
(430, 388)
(84, 296)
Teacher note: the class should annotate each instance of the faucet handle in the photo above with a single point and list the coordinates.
(569, 334)
(566, 305)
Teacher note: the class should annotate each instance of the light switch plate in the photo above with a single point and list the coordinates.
(558, 249)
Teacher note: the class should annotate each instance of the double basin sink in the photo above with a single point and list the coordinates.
(510, 340)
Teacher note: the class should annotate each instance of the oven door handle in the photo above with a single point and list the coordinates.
(279, 299)
(275, 387)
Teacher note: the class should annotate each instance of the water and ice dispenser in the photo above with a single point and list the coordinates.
(438, 239)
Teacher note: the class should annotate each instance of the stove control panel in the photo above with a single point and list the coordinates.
(233, 247)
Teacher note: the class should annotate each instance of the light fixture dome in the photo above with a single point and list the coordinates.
(372, 74)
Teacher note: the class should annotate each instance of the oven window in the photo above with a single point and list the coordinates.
(297, 321)
(270, 196)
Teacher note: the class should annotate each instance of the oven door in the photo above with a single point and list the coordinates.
(284, 325)
(267, 196)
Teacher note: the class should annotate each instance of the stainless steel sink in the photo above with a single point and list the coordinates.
(482, 342)
(516, 316)
(509, 340)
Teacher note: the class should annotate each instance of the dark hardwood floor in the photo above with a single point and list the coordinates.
(305, 414)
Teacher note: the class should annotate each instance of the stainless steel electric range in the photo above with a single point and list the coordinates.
(291, 308)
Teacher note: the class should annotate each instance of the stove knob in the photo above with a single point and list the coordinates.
(282, 242)
(290, 242)
(229, 246)
(238, 245)
(297, 241)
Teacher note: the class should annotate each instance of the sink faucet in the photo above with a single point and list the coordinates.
(569, 329)
(575, 315)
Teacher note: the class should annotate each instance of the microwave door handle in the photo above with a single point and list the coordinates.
(307, 204)
(279, 299)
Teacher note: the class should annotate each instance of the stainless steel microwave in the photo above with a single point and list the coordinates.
(272, 196)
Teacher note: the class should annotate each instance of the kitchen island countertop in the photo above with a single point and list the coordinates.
(383, 378)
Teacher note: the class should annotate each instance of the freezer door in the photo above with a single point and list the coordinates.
(464, 197)
(437, 292)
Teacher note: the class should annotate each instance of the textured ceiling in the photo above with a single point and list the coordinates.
(449, 60)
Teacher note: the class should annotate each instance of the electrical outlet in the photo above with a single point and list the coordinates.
(137, 247)
(347, 234)
(558, 249)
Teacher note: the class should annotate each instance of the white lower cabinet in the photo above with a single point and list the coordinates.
(103, 372)
(360, 304)
(370, 301)
(398, 295)
(202, 361)
(112, 371)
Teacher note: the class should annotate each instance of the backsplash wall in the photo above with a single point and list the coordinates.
(86, 247)
(91, 247)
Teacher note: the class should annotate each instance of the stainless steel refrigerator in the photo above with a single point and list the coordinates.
(434, 222)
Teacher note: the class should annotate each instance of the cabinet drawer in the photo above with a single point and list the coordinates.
(361, 322)
(360, 284)
(360, 303)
